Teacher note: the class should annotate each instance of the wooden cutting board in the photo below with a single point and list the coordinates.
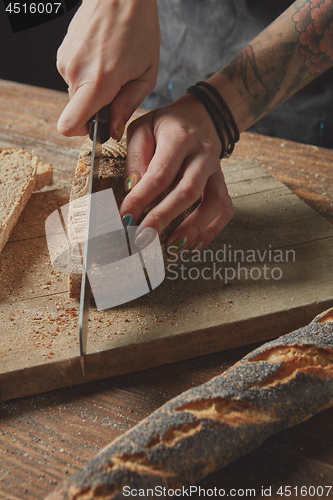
(270, 272)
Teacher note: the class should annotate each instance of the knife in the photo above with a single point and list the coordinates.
(98, 127)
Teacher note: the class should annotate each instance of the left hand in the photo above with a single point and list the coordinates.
(180, 138)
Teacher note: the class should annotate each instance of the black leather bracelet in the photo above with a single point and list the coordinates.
(224, 120)
(208, 102)
(225, 106)
(219, 113)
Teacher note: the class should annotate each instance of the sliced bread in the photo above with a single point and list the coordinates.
(44, 175)
(18, 170)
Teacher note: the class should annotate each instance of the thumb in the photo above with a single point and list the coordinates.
(83, 104)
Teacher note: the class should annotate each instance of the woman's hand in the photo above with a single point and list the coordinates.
(109, 55)
(179, 139)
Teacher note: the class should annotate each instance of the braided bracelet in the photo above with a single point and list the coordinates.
(207, 101)
(220, 113)
(225, 106)
(206, 97)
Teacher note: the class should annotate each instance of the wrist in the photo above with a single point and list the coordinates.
(193, 117)
(220, 114)
(234, 100)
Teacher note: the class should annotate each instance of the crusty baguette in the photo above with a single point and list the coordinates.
(280, 384)
(17, 182)
(111, 175)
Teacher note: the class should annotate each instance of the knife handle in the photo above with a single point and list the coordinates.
(103, 124)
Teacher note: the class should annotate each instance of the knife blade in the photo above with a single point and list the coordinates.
(98, 127)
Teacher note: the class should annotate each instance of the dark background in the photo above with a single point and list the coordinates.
(29, 57)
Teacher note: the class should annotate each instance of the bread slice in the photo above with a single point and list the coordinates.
(280, 384)
(44, 175)
(18, 171)
(111, 175)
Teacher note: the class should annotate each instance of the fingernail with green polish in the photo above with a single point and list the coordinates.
(127, 220)
(120, 130)
(179, 244)
(131, 180)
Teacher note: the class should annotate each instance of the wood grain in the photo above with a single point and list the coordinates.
(184, 317)
(305, 169)
(45, 438)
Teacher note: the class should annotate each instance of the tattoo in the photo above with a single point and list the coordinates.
(256, 79)
(248, 59)
(314, 23)
(268, 71)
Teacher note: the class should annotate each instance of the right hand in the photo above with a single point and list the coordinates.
(109, 55)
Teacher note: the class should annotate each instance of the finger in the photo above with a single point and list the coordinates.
(126, 102)
(84, 103)
(212, 230)
(140, 150)
(159, 173)
(188, 191)
(207, 220)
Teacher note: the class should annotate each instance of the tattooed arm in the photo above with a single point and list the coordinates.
(293, 50)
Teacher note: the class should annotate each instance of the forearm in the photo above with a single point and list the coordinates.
(295, 49)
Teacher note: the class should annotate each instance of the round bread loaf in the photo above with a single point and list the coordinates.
(111, 175)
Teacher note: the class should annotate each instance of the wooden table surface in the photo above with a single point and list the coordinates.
(46, 437)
